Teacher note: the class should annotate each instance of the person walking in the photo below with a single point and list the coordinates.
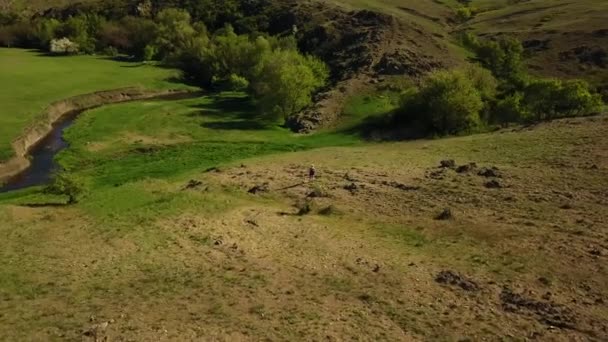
(312, 173)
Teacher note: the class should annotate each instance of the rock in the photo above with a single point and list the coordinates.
(447, 164)
(401, 186)
(595, 251)
(455, 279)
(376, 268)
(489, 172)
(493, 184)
(544, 281)
(446, 214)
(252, 222)
(466, 168)
(547, 312)
(192, 184)
(352, 187)
(213, 169)
(265, 187)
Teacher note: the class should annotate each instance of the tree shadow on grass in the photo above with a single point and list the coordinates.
(231, 112)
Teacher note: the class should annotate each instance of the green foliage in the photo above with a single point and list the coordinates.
(82, 30)
(463, 14)
(547, 99)
(508, 110)
(64, 184)
(447, 103)
(237, 83)
(503, 57)
(45, 30)
(286, 80)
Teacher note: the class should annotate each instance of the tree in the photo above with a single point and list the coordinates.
(286, 80)
(447, 103)
(548, 99)
(64, 184)
(174, 32)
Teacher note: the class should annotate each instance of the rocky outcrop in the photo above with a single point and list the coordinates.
(59, 110)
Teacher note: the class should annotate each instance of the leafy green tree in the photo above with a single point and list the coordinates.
(447, 103)
(286, 80)
(548, 99)
(140, 33)
(45, 30)
(66, 185)
(174, 32)
(509, 110)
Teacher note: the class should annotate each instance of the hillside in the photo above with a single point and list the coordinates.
(160, 252)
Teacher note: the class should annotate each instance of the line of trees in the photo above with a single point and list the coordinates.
(280, 79)
(497, 90)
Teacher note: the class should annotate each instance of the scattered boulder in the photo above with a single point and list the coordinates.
(446, 214)
(546, 312)
(401, 186)
(493, 184)
(455, 279)
(213, 169)
(304, 207)
(466, 168)
(447, 164)
(352, 187)
(436, 174)
(328, 211)
(595, 251)
(265, 187)
(492, 172)
(192, 184)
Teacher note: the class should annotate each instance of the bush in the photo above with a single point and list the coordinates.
(237, 83)
(447, 103)
(66, 185)
(463, 14)
(548, 99)
(110, 51)
(285, 82)
(63, 46)
(509, 109)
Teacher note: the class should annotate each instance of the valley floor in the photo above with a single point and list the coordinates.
(250, 250)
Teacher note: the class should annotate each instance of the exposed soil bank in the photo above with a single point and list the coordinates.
(59, 116)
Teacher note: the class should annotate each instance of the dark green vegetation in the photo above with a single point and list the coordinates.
(191, 38)
(452, 102)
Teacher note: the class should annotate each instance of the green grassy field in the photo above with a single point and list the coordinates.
(30, 82)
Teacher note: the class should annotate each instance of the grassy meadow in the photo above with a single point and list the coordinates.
(29, 82)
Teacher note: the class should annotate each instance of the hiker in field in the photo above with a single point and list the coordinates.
(312, 173)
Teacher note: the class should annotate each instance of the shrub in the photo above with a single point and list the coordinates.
(110, 51)
(463, 14)
(548, 99)
(509, 109)
(63, 46)
(237, 83)
(447, 103)
(286, 80)
(66, 185)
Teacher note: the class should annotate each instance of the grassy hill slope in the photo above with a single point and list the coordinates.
(359, 253)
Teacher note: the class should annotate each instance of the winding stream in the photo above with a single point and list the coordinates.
(42, 156)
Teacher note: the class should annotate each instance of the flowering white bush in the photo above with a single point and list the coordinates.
(63, 46)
